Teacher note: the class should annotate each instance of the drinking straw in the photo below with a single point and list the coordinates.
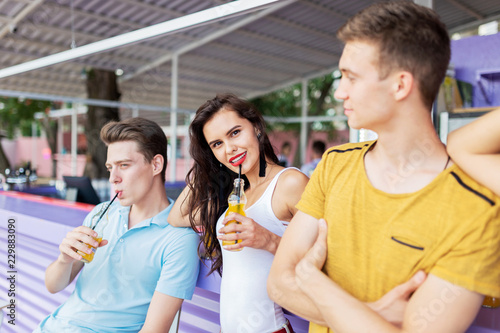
(102, 214)
(239, 190)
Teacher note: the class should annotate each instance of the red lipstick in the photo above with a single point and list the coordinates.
(238, 159)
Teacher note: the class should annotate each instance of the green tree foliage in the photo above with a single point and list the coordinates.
(286, 103)
(19, 114)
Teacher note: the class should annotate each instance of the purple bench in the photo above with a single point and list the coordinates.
(39, 228)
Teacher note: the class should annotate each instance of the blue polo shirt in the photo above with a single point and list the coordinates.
(113, 292)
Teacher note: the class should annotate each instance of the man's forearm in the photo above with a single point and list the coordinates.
(343, 312)
(283, 289)
(60, 274)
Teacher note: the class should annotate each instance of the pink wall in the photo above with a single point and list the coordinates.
(64, 167)
(20, 151)
(182, 168)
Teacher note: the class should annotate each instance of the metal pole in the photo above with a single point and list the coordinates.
(74, 137)
(34, 152)
(444, 118)
(60, 124)
(303, 124)
(135, 112)
(173, 118)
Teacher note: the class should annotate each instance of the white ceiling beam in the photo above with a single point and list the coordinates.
(178, 24)
(134, 62)
(40, 27)
(207, 39)
(30, 6)
(103, 57)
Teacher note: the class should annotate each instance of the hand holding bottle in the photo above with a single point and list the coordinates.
(248, 233)
(77, 240)
(237, 200)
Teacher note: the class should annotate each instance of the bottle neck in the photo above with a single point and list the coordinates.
(238, 194)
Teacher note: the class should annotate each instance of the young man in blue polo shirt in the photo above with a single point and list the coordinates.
(143, 268)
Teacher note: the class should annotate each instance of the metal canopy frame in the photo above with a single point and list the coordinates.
(250, 55)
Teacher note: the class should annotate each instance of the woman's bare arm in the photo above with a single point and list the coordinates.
(475, 147)
(179, 215)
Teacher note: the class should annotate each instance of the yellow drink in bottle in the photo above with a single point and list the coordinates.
(236, 201)
(88, 257)
(234, 208)
(491, 302)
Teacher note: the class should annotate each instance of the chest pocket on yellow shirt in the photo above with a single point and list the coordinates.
(402, 251)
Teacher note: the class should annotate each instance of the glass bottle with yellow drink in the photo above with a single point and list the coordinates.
(97, 225)
(237, 201)
(491, 302)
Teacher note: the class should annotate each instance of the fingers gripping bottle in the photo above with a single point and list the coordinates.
(237, 201)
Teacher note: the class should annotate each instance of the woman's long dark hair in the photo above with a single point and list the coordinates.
(209, 180)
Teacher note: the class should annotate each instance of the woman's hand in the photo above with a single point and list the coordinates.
(250, 232)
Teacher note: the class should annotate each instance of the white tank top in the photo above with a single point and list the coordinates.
(245, 306)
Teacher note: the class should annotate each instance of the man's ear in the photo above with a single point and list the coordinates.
(157, 164)
(404, 83)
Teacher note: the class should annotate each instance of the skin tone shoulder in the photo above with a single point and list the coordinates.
(138, 184)
(393, 108)
(475, 147)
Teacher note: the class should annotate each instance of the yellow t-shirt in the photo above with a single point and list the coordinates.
(377, 240)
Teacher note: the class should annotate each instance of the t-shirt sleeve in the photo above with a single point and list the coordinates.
(474, 263)
(180, 267)
(312, 201)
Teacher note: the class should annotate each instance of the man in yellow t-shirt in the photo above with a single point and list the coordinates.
(392, 206)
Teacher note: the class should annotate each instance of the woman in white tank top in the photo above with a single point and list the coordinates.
(228, 132)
